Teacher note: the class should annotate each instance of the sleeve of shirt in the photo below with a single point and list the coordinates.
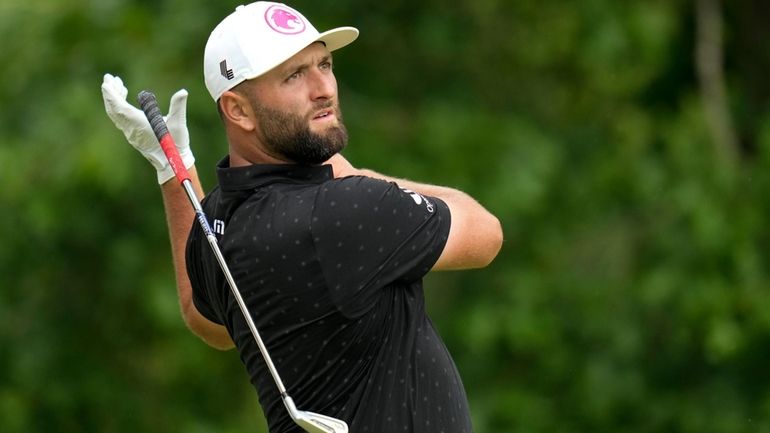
(196, 259)
(369, 233)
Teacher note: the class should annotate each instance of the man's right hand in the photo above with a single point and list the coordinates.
(138, 131)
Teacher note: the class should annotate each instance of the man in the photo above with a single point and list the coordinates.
(329, 258)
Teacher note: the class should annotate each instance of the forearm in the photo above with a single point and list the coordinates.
(180, 216)
(441, 192)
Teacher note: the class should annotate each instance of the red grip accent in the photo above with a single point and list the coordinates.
(169, 148)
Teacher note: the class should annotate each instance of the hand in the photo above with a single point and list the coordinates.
(138, 131)
(341, 167)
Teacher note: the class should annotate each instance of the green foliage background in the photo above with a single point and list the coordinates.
(631, 293)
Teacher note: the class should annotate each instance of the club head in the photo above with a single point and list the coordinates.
(314, 422)
(317, 423)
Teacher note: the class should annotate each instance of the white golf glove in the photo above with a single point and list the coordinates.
(138, 131)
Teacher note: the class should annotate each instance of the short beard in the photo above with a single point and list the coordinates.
(289, 136)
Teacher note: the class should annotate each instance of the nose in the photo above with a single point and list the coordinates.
(323, 85)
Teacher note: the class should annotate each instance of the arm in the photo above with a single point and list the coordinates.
(132, 122)
(180, 216)
(475, 235)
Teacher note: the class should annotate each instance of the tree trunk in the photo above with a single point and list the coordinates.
(709, 63)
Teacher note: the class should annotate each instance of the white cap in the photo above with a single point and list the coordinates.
(258, 37)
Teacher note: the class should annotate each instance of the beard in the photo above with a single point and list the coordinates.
(289, 136)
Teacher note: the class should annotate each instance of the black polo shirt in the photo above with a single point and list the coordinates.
(331, 270)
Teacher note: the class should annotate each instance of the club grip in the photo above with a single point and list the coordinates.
(149, 105)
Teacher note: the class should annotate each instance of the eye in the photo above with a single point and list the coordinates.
(326, 65)
(293, 76)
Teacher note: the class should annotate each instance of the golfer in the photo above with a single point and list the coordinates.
(329, 258)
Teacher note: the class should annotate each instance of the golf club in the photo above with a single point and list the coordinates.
(309, 421)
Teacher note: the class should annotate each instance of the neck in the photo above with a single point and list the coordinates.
(250, 152)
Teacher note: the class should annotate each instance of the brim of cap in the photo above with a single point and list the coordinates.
(334, 39)
(338, 38)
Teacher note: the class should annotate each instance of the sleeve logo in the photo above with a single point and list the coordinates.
(419, 199)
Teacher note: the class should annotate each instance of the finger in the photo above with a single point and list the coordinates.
(109, 97)
(119, 87)
(114, 85)
(118, 109)
(113, 103)
(178, 108)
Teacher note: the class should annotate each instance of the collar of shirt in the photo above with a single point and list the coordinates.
(259, 175)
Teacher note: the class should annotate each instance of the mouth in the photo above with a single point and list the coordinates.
(324, 115)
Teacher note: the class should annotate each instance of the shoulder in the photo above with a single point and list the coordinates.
(356, 196)
(354, 190)
(212, 198)
(355, 185)
(361, 198)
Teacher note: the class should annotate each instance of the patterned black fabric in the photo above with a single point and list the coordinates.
(331, 271)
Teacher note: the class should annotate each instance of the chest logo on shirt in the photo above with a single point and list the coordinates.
(219, 227)
(419, 199)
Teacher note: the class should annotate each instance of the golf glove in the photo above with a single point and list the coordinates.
(138, 131)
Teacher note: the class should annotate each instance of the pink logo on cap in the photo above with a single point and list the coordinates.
(284, 20)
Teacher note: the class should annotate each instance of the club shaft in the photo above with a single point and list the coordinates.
(309, 421)
(187, 184)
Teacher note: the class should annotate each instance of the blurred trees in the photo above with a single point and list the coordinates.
(631, 294)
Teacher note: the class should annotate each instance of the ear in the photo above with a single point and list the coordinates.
(236, 109)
